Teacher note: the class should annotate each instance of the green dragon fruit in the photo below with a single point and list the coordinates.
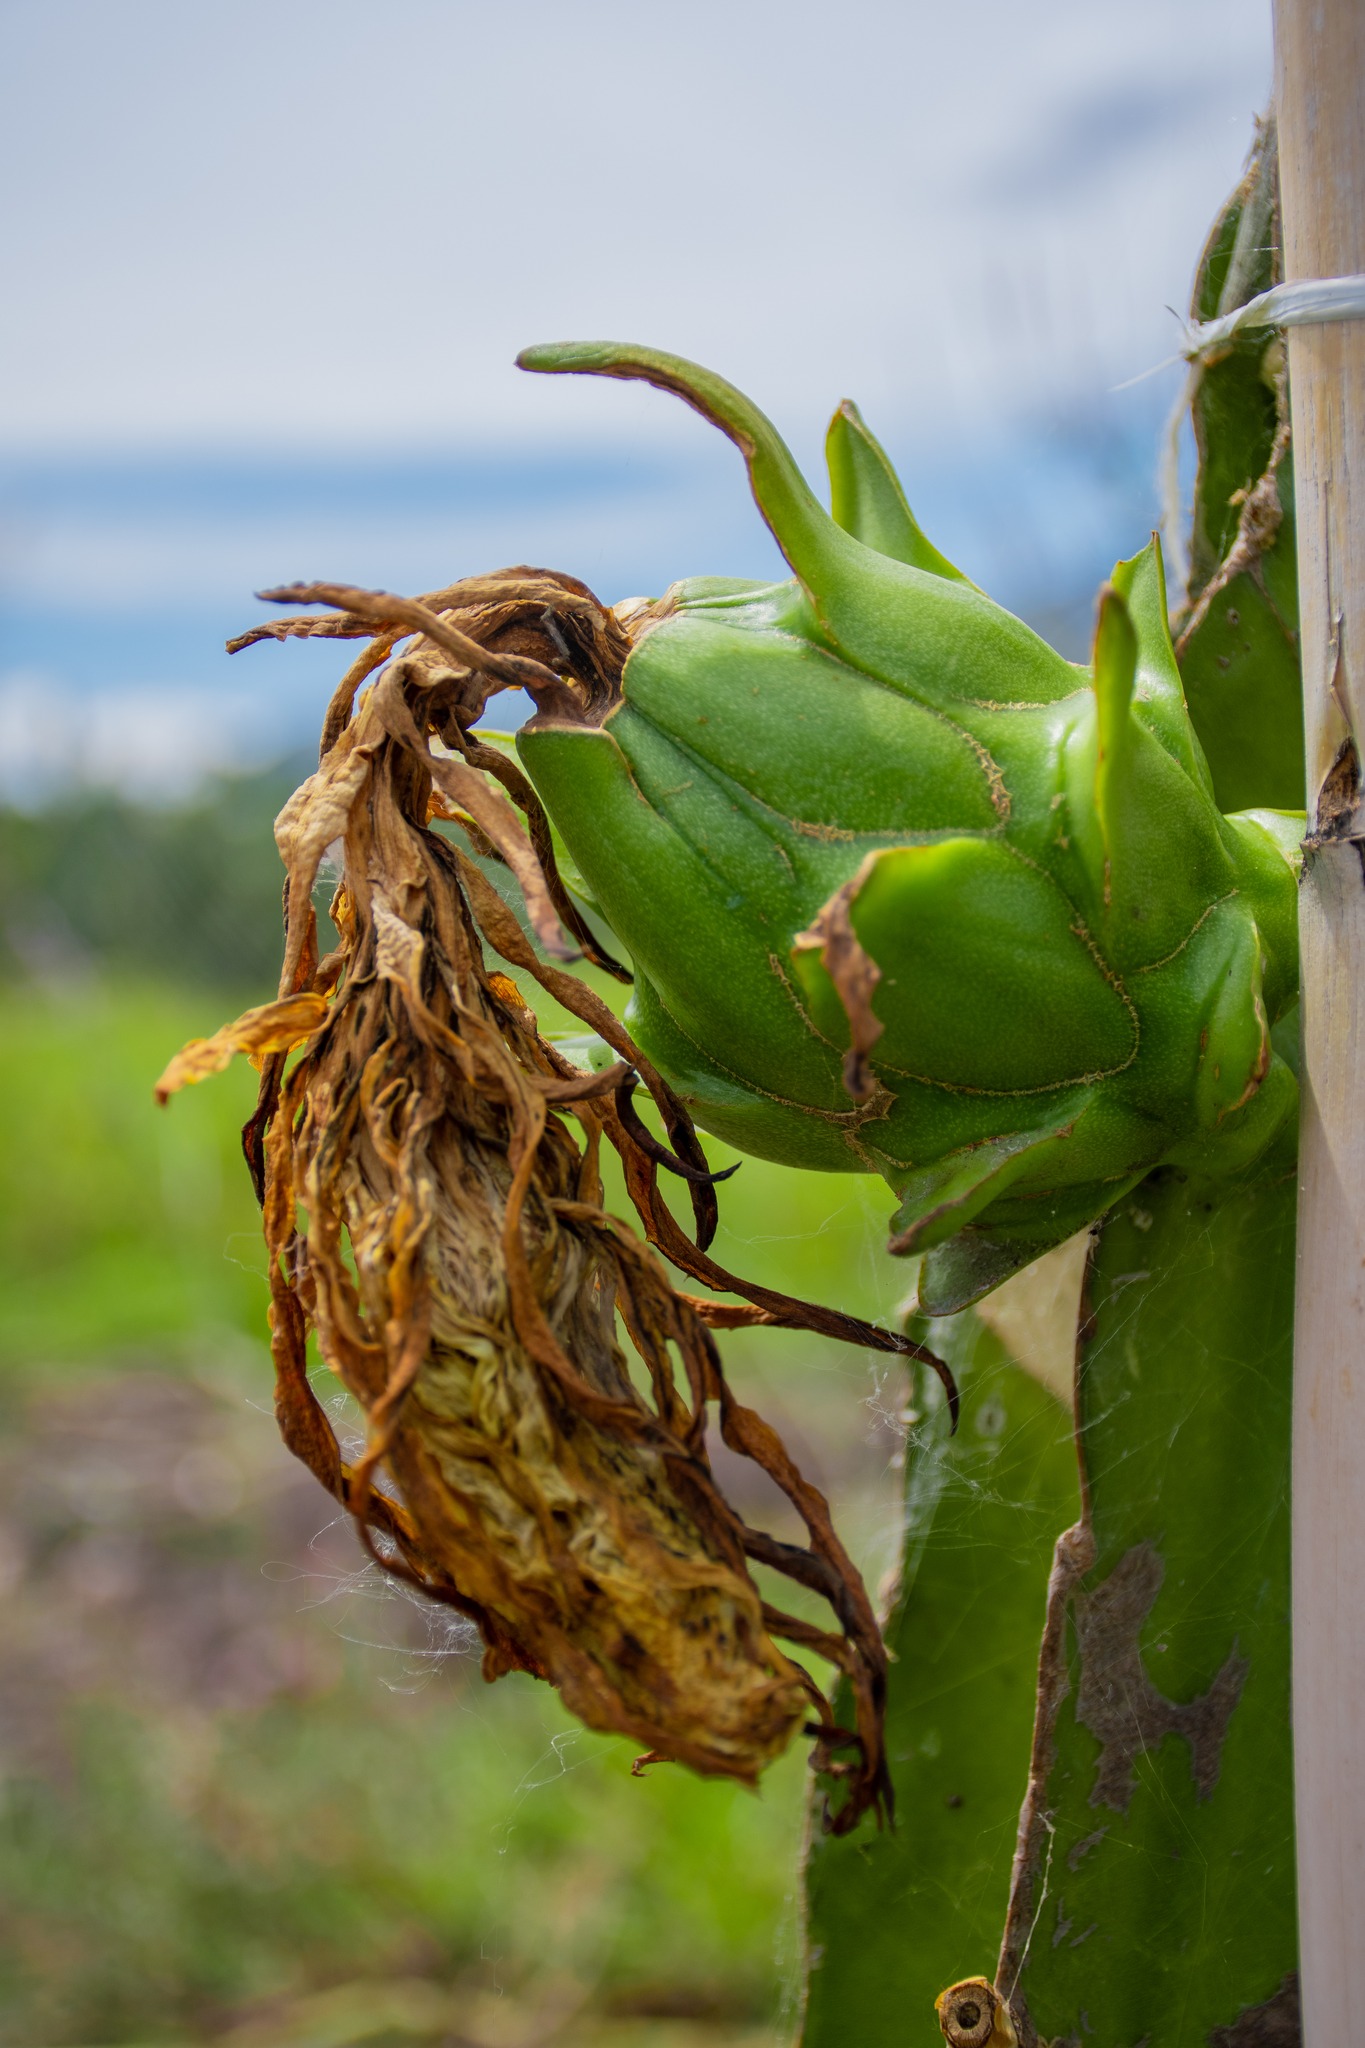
(905, 891)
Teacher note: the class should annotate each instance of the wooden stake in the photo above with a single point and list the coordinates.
(1320, 102)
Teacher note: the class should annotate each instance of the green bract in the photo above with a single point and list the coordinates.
(907, 892)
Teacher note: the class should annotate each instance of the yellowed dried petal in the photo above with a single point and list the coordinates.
(318, 812)
(398, 948)
(272, 1027)
(495, 817)
(582, 1547)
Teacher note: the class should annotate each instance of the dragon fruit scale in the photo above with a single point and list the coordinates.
(906, 892)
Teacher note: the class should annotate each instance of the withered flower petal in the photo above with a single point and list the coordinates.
(429, 1168)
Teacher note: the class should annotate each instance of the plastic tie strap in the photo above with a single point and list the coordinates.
(1303, 303)
(1306, 302)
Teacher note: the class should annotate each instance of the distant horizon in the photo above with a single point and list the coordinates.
(122, 575)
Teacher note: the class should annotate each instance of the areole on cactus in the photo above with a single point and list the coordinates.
(906, 891)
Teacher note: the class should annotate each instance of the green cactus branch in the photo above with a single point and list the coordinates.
(891, 1920)
(1153, 1890)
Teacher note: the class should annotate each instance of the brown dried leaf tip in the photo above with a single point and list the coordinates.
(429, 1171)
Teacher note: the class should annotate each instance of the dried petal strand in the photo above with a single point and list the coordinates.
(273, 1027)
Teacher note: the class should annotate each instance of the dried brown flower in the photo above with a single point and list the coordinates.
(429, 1168)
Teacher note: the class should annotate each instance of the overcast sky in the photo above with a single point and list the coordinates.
(323, 218)
(267, 264)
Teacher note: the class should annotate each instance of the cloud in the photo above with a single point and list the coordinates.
(323, 223)
(153, 744)
(104, 559)
(1099, 138)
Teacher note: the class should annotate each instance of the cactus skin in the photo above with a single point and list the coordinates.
(905, 891)
(1154, 1892)
(891, 1919)
(1238, 639)
(1153, 1895)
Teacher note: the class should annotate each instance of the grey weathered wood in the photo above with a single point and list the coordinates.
(1320, 98)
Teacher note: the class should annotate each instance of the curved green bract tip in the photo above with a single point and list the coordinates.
(913, 623)
(1115, 672)
(1141, 583)
(867, 500)
(798, 521)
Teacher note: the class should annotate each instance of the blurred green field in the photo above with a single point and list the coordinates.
(246, 1794)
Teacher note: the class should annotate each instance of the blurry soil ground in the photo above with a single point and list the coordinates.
(248, 1795)
(252, 1796)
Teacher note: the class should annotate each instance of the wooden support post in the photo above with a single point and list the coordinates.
(1320, 103)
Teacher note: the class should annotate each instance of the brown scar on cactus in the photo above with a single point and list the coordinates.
(429, 1167)
(855, 975)
(1117, 1700)
(1072, 1559)
(1276, 2023)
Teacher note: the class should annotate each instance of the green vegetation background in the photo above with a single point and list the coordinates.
(246, 1794)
